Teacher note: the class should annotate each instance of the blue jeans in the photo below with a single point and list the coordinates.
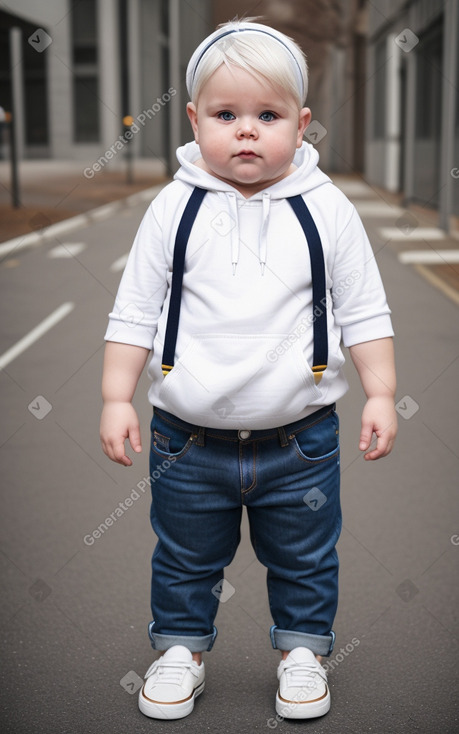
(288, 478)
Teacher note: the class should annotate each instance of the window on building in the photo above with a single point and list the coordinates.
(86, 103)
(428, 84)
(35, 89)
(429, 61)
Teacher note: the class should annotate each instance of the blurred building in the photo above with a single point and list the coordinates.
(383, 82)
(76, 68)
(80, 66)
(413, 102)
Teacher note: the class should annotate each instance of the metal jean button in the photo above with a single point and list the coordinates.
(244, 434)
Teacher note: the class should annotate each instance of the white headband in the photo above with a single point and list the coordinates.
(294, 53)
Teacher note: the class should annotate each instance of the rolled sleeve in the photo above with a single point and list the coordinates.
(377, 327)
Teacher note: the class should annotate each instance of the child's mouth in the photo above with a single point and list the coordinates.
(247, 154)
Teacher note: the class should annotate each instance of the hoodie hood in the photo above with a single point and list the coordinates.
(307, 177)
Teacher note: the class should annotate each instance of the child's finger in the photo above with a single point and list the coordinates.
(119, 454)
(373, 455)
(134, 438)
(366, 435)
(382, 448)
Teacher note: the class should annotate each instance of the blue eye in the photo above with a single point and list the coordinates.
(267, 116)
(226, 116)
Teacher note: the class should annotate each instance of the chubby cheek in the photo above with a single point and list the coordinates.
(283, 152)
(214, 147)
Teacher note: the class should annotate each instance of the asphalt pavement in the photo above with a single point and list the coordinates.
(75, 603)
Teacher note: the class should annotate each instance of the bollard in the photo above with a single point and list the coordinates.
(128, 121)
(9, 123)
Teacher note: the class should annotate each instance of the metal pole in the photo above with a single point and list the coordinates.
(176, 82)
(451, 22)
(128, 121)
(134, 68)
(410, 128)
(16, 126)
(393, 115)
(15, 195)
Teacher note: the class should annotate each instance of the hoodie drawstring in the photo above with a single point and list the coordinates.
(263, 240)
(234, 231)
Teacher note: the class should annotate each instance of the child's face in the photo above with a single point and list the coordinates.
(247, 130)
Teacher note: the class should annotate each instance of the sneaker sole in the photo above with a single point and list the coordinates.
(311, 710)
(169, 710)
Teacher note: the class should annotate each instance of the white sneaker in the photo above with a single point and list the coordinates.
(303, 690)
(172, 684)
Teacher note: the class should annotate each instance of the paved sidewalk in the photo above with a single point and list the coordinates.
(413, 233)
(51, 191)
(74, 613)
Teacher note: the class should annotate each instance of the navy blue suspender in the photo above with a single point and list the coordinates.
(178, 264)
(320, 332)
(319, 292)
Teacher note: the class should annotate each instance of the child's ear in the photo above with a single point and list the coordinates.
(193, 117)
(303, 122)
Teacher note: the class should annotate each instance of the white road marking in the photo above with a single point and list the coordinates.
(66, 225)
(417, 233)
(67, 249)
(377, 209)
(106, 211)
(119, 264)
(81, 220)
(430, 257)
(36, 333)
(352, 188)
(18, 243)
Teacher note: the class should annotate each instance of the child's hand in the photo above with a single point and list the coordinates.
(118, 422)
(379, 417)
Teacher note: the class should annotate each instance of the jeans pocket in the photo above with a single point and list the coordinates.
(319, 441)
(169, 439)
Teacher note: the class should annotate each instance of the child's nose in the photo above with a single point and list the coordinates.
(247, 129)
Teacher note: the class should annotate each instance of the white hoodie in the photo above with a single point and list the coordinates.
(245, 339)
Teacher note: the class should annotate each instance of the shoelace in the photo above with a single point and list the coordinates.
(302, 675)
(171, 672)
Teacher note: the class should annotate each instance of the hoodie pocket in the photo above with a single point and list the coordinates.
(232, 380)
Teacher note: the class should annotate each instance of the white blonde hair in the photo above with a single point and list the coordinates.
(256, 48)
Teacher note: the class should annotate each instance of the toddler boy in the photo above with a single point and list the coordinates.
(245, 275)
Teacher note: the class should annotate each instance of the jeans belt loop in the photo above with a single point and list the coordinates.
(283, 440)
(200, 436)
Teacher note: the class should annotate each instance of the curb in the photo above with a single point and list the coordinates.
(437, 282)
(33, 239)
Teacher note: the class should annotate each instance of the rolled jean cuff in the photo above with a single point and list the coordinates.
(193, 643)
(289, 639)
